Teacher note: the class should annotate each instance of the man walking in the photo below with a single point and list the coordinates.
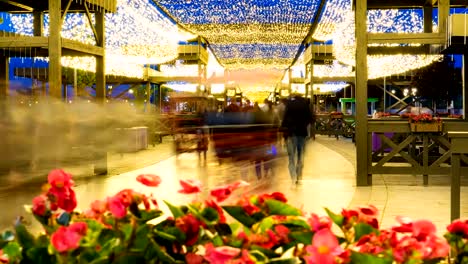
(297, 117)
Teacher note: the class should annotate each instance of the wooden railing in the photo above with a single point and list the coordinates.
(394, 149)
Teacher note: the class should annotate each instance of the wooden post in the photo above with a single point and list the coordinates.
(464, 87)
(38, 23)
(55, 49)
(4, 77)
(100, 60)
(443, 14)
(361, 94)
(100, 162)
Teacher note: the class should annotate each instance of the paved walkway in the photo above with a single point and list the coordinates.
(328, 181)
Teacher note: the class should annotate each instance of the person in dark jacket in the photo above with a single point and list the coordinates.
(297, 117)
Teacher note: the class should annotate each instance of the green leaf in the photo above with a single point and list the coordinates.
(296, 221)
(142, 237)
(175, 210)
(362, 229)
(240, 215)
(146, 216)
(279, 208)
(266, 223)
(25, 238)
(336, 218)
(210, 214)
(283, 261)
(129, 258)
(267, 252)
(163, 257)
(135, 210)
(223, 229)
(359, 258)
(39, 255)
(127, 231)
(304, 237)
(217, 241)
(13, 251)
(101, 260)
(165, 235)
(258, 255)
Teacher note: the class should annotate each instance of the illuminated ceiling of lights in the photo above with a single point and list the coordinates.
(240, 30)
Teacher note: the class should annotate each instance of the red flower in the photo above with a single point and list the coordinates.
(248, 207)
(149, 179)
(192, 258)
(212, 204)
(282, 232)
(190, 226)
(223, 192)
(459, 227)
(39, 205)
(275, 195)
(79, 228)
(190, 186)
(63, 198)
(67, 238)
(59, 179)
(220, 255)
(422, 229)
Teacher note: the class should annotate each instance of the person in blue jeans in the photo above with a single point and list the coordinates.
(297, 117)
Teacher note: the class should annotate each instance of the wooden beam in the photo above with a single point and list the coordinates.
(13, 3)
(28, 42)
(398, 50)
(65, 11)
(406, 38)
(86, 49)
(93, 28)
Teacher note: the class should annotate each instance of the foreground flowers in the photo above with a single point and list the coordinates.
(129, 227)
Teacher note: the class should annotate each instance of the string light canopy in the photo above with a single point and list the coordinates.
(239, 30)
(398, 21)
(137, 34)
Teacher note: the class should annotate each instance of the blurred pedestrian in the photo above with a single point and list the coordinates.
(297, 117)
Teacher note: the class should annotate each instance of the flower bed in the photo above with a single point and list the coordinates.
(129, 227)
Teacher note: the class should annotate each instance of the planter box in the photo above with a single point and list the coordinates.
(426, 127)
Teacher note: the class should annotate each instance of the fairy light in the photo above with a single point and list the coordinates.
(381, 65)
(333, 14)
(136, 34)
(282, 25)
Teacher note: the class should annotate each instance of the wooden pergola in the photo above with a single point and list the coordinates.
(54, 46)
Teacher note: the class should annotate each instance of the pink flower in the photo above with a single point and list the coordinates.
(324, 248)
(67, 238)
(59, 179)
(317, 223)
(220, 255)
(190, 186)
(149, 179)
(116, 207)
(39, 205)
